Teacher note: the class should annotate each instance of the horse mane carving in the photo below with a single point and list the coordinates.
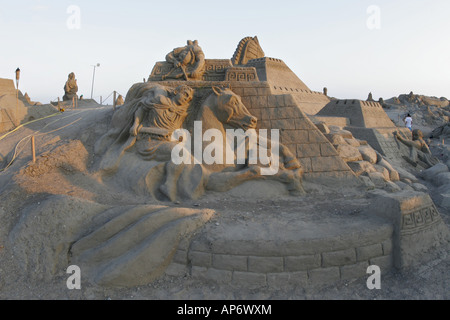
(247, 49)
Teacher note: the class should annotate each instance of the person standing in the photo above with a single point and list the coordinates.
(408, 122)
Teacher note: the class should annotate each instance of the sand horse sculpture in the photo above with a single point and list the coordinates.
(137, 243)
(157, 124)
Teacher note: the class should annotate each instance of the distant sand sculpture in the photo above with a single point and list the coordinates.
(70, 88)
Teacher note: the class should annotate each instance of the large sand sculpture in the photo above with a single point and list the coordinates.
(322, 162)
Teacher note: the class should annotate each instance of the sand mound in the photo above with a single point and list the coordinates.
(52, 169)
(69, 157)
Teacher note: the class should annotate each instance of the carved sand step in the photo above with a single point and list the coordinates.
(135, 247)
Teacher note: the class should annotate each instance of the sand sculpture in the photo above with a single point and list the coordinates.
(185, 112)
(247, 49)
(367, 121)
(70, 88)
(441, 132)
(147, 121)
(187, 62)
(164, 110)
(27, 97)
(137, 151)
(163, 115)
(119, 100)
(419, 149)
(110, 253)
(17, 108)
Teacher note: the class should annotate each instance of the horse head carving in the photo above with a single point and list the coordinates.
(226, 107)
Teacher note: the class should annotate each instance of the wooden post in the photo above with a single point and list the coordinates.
(114, 101)
(73, 102)
(17, 107)
(17, 96)
(33, 149)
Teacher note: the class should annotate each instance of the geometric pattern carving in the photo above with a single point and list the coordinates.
(420, 219)
(214, 70)
(241, 74)
(160, 69)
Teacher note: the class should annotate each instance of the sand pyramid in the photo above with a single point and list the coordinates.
(366, 120)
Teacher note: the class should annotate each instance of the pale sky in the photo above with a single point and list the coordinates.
(387, 47)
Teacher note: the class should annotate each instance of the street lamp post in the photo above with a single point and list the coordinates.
(93, 76)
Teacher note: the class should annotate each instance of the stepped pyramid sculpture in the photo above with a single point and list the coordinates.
(273, 94)
(249, 64)
(366, 120)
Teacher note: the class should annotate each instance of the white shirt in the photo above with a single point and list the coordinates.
(408, 121)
